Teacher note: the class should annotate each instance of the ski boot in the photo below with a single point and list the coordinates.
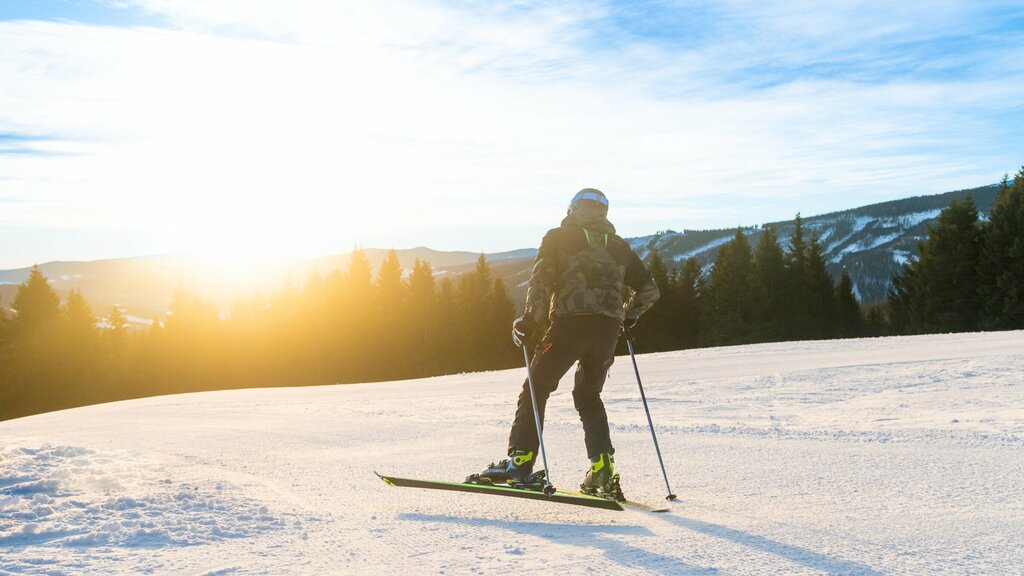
(516, 469)
(601, 480)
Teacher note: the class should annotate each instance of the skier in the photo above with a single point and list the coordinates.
(591, 285)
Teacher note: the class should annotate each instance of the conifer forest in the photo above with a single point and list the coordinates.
(363, 325)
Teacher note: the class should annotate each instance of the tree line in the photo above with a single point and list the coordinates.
(761, 293)
(357, 326)
(348, 326)
(969, 274)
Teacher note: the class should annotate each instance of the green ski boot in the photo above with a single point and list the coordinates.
(516, 469)
(601, 480)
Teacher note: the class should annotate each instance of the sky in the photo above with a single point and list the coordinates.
(308, 127)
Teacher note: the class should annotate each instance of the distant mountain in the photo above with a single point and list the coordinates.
(871, 242)
(144, 286)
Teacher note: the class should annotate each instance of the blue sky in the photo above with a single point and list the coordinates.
(141, 126)
(109, 13)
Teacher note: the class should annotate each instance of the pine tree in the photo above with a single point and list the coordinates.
(820, 291)
(946, 275)
(37, 307)
(499, 326)
(875, 323)
(448, 317)
(357, 321)
(34, 368)
(1001, 267)
(192, 343)
(902, 299)
(474, 304)
(117, 321)
(315, 340)
(330, 308)
(691, 286)
(797, 253)
(797, 317)
(424, 332)
(81, 322)
(849, 320)
(388, 329)
(115, 356)
(152, 363)
(80, 349)
(655, 331)
(289, 338)
(390, 289)
(731, 301)
(769, 287)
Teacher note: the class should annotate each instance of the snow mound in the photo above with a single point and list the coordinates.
(74, 497)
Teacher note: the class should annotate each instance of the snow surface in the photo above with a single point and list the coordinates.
(901, 223)
(901, 257)
(859, 224)
(713, 244)
(915, 218)
(874, 456)
(865, 244)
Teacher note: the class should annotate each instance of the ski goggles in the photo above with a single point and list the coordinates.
(589, 195)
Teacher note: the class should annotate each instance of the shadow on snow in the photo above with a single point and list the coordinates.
(600, 537)
(795, 554)
(593, 536)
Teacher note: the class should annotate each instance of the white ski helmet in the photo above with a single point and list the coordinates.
(591, 197)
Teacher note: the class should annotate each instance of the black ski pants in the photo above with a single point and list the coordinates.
(591, 341)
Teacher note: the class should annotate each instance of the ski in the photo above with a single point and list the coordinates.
(615, 493)
(640, 506)
(560, 496)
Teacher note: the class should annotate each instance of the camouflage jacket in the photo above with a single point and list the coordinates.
(583, 267)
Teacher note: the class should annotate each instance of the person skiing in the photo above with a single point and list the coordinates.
(591, 286)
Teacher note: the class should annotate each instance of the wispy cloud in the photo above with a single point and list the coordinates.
(387, 122)
(24, 144)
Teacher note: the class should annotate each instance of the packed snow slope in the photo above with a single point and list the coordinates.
(875, 456)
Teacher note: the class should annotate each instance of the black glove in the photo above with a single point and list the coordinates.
(522, 329)
(628, 324)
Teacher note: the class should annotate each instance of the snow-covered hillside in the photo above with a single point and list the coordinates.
(883, 456)
(870, 242)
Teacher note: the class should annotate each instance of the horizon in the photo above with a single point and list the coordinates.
(142, 127)
(268, 260)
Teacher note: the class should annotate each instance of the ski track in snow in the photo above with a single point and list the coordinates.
(874, 456)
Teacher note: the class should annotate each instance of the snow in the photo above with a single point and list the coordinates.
(75, 497)
(859, 224)
(901, 224)
(915, 218)
(865, 244)
(901, 257)
(640, 242)
(871, 456)
(713, 244)
(138, 320)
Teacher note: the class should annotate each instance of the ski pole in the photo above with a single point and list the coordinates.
(629, 342)
(548, 488)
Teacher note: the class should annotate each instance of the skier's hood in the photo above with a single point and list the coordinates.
(591, 218)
